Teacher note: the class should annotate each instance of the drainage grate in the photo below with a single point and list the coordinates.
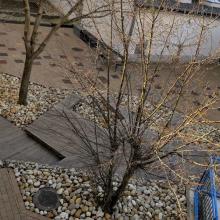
(46, 199)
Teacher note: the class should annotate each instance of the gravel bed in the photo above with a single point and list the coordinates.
(88, 110)
(141, 200)
(40, 99)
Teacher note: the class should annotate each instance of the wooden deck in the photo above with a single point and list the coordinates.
(11, 203)
(60, 129)
(15, 144)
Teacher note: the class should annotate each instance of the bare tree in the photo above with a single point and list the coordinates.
(140, 134)
(34, 48)
(132, 130)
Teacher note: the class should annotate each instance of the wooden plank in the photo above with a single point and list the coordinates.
(11, 202)
(61, 129)
(15, 144)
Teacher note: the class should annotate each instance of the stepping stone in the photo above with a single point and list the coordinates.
(3, 54)
(3, 61)
(19, 61)
(2, 45)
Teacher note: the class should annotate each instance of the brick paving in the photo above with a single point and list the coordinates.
(49, 67)
(11, 203)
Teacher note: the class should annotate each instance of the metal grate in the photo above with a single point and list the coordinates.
(205, 199)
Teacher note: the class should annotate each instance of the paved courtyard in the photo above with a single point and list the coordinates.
(48, 69)
(52, 67)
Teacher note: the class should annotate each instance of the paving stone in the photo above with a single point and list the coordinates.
(19, 61)
(12, 49)
(47, 57)
(66, 81)
(103, 79)
(100, 69)
(37, 63)
(3, 61)
(63, 56)
(3, 54)
(77, 49)
(80, 64)
(115, 76)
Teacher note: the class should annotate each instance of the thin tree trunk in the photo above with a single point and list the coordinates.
(113, 196)
(25, 81)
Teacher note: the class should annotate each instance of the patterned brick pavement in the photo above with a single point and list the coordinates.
(49, 67)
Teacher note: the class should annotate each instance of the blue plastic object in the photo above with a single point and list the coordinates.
(205, 196)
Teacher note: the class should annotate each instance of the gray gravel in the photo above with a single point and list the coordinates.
(141, 200)
(40, 99)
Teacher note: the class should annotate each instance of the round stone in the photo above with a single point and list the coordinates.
(46, 199)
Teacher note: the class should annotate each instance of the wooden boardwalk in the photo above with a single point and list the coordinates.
(16, 144)
(60, 129)
(11, 203)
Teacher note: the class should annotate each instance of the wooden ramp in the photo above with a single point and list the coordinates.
(15, 144)
(11, 203)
